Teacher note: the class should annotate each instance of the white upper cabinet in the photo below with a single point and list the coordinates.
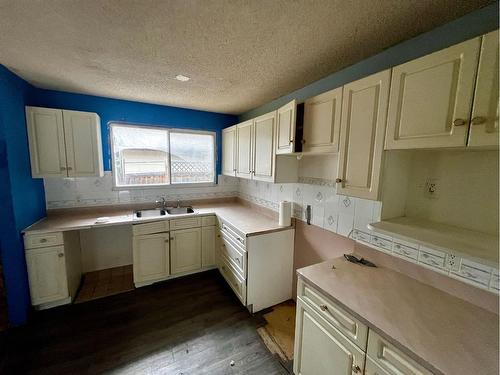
(364, 108)
(82, 134)
(64, 143)
(244, 145)
(46, 142)
(485, 111)
(285, 129)
(229, 151)
(431, 99)
(322, 122)
(264, 153)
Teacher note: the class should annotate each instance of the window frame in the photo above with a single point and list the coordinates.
(171, 185)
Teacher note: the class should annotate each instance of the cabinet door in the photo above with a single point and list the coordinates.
(82, 132)
(151, 257)
(431, 99)
(244, 144)
(46, 142)
(322, 122)
(485, 111)
(208, 245)
(47, 274)
(372, 368)
(364, 108)
(320, 349)
(229, 151)
(264, 156)
(285, 128)
(185, 250)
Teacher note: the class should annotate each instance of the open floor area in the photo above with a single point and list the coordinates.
(189, 325)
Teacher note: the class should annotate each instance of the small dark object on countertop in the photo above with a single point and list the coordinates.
(362, 261)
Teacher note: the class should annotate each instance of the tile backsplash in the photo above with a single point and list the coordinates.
(98, 191)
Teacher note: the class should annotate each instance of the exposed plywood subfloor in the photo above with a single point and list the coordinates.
(279, 332)
(103, 283)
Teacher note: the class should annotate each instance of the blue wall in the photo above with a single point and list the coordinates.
(133, 112)
(469, 26)
(23, 199)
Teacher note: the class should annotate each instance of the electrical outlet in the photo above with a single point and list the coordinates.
(432, 188)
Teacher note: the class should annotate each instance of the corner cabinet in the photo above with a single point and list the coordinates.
(64, 143)
(229, 151)
(364, 108)
(431, 99)
(322, 122)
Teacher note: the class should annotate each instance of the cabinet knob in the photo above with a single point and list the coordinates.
(459, 122)
(478, 120)
(60, 255)
(63, 168)
(172, 238)
(356, 369)
(43, 240)
(338, 180)
(166, 240)
(70, 168)
(303, 141)
(323, 307)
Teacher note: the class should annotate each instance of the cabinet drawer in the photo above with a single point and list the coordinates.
(236, 256)
(335, 315)
(149, 228)
(236, 282)
(232, 233)
(33, 241)
(185, 223)
(391, 359)
(207, 221)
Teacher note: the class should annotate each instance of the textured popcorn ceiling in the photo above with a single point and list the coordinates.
(239, 54)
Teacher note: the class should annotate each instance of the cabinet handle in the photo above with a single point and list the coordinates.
(43, 240)
(63, 168)
(323, 307)
(70, 168)
(478, 120)
(172, 238)
(356, 369)
(459, 122)
(338, 180)
(303, 141)
(166, 240)
(60, 255)
(237, 259)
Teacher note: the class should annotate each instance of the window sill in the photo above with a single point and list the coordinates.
(165, 187)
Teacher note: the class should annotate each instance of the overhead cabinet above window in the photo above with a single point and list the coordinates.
(64, 143)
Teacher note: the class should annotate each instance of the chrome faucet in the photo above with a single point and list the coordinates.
(162, 201)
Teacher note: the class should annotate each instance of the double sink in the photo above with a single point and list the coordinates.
(159, 212)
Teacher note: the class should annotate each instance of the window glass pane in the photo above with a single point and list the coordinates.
(140, 156)
(192, 157)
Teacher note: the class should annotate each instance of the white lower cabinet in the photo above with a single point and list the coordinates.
(322, 349)
(185, 250)
(151, 257)
(372, 368)
(47, 274)
(54, 267)
(208, 244)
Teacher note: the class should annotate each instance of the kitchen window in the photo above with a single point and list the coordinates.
(144, 156)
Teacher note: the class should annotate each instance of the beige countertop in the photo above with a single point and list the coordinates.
(442, 332)
(249, 221)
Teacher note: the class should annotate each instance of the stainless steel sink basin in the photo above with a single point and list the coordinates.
(155, 212)
(180, 210)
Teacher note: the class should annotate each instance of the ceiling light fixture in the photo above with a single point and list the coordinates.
(182, 78)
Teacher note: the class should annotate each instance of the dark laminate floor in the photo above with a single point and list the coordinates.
(190, 325)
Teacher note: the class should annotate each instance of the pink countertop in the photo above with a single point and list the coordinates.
(249, 221)
(445, 334)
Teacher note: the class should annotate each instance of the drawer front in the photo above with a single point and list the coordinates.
(207, 221)
(232, 233)
(405, 251)
(236, 256)
(236, 282)
(149, 228)
(381, 242)
(185, 223)
(391, 359)
(335, 315)
(33, 241)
